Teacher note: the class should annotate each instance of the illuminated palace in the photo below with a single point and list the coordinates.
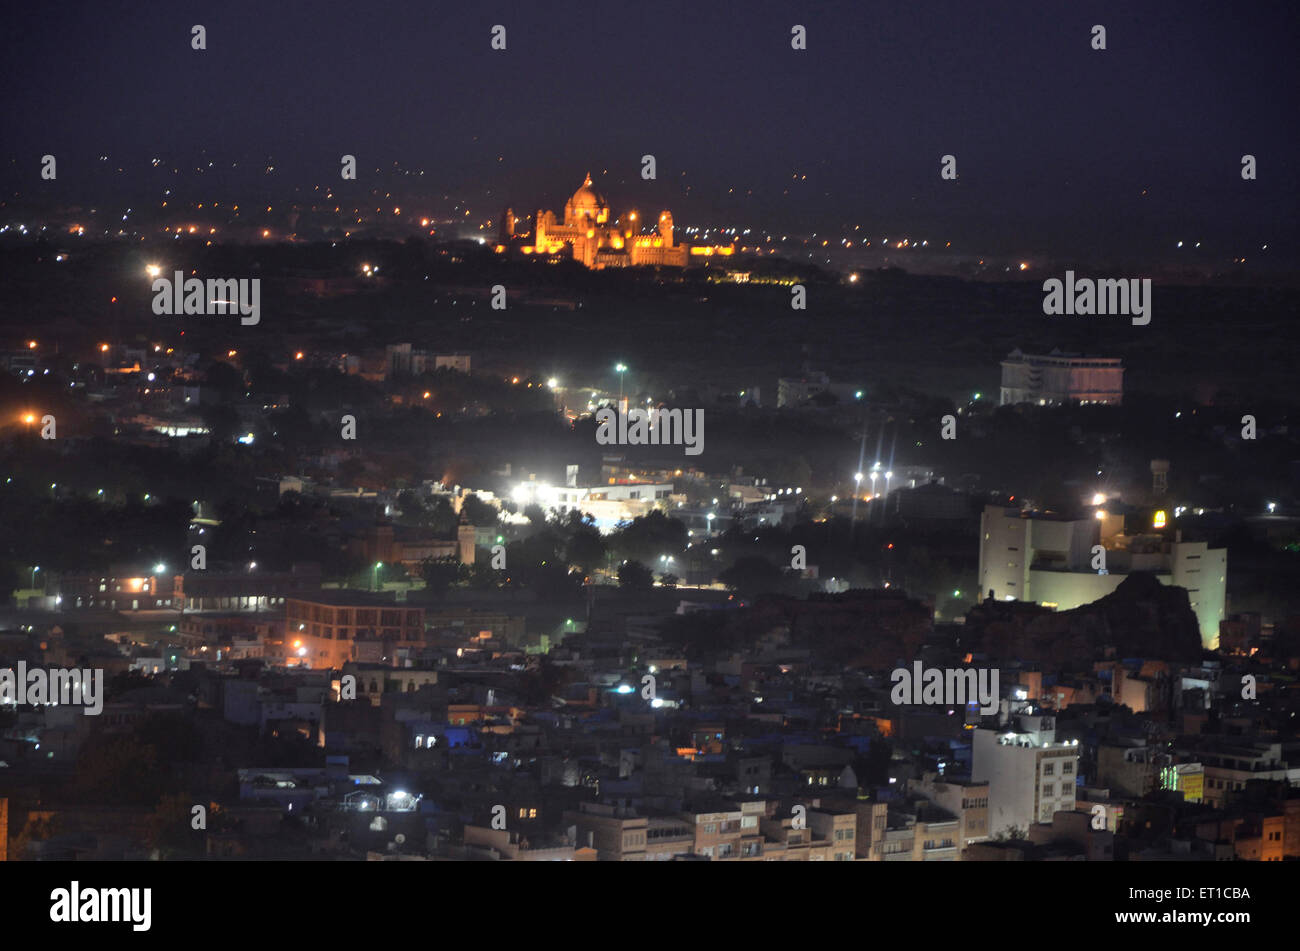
(599, 242)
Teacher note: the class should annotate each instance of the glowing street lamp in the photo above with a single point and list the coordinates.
(620, 369)
(153, 270)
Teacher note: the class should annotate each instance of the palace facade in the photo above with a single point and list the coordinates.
(598, 240)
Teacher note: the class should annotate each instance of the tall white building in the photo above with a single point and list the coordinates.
(1029, 557)
(1030, 774)
(1061, 378)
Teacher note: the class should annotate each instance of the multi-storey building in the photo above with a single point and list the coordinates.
(617, 835)
(334, 627)
(1061, 378)
(967, 800)
(1027, 556)
(1030, 774)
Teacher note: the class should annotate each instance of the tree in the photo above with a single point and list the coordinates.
(634, 576)
(171, 831)
(439, 574)
(221, 420)
(411, 506)
(751, 576)
(172, 736)
(477, 512)
(483, 577)
(647, 537)
(118, 770)
(586, 549)
(441, 516)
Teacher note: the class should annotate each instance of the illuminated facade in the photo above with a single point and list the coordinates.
(1059, 378)
(1049, 560)
(329, 629)
(598, 240)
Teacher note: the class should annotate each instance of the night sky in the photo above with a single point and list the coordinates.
(1056, 143)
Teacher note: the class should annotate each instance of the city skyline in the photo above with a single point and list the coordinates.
(1154, 126)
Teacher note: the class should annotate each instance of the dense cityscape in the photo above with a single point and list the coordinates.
(532, 498)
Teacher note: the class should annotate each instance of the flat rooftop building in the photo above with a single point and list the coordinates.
(1058, 378)
(1028, 557)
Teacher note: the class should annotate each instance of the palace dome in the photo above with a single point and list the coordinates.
(587, 201)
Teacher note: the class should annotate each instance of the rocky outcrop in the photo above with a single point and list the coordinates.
(1140, 618)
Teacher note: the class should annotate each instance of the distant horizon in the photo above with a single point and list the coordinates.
(1060, 150)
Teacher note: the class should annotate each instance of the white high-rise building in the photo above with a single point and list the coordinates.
(1030, 774)
(1026, 556)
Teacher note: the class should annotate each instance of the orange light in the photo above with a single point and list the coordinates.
(231, 353)
(103, 348)
(31, 344)
(298, 355)
(29, 418)
(266, 233)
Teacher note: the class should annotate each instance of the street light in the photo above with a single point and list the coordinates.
(35, 569)
(378, 565)
(620, 369)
